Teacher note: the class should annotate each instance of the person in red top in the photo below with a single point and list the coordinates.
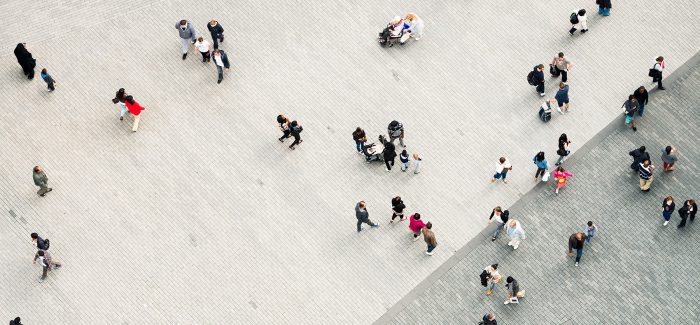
(135, 109)
(416, 225)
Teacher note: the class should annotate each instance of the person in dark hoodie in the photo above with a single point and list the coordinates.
(639, 155)
(25, 59)
(217, 32)
(513, 292)
(16, 321)
(39, 242)
(397, 207)
(363, 216)
(539, 79)
(389, 153)
(577, 241)
(642, 97)
(489, 319)
(689, 209)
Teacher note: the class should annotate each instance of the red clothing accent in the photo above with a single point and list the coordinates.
(415, 225)
(135, 108)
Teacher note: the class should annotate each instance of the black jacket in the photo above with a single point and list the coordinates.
(539, 76)
(684, 210)
(671, 207)
(24, 58)
(604, 3)
(389, 151)
(216, 29)
(642, 98)
(574, 243)
(41, 244)
(486, 321)
(504, 215)
(638, 157)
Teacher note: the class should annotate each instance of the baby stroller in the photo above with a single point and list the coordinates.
(373, 152)
(387, 40)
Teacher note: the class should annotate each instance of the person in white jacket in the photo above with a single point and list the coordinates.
(415, 25)
(515, 233)
(582, 25)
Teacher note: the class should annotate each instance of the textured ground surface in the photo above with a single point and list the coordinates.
(635, 272)
(203, 217)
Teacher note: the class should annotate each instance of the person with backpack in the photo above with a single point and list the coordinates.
(360, 138)
(492, 277)
(604, 7)
(536, 78)
(642, 96)
(501, 217)
(563, 148)
(396, 132)
(295, 130)
(631, 107)
(397, 207)
(562, 97)
(541, 164)
(562, 66)
(40, 243)
(561, 175)
(578, 20)
(639, 155)
(656, 72)
(46, 261)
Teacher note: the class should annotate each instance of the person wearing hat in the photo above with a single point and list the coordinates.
(187, 34)
(217, 32)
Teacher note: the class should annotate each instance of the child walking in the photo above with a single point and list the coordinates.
(49, 81)
(404, 160)
(591, 231)
(416, 225)
(560, 175)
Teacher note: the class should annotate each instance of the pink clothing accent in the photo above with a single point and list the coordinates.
(415, 225)
(561, 178)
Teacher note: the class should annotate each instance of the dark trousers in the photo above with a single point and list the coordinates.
(206, 56)
(361, 221)
(540, 87)
(683, 219)
(297, 139)
(217, 37)
(50, 85)
(562, 72)
(430, 248)
(394, 215)
(29, 72)
(220, 70)
(579, 253)
(658, 78)
(539, 172)
(285, 134)
(388, 162)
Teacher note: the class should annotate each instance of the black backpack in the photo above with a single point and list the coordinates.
(531, 78)
(545, 112)
(47, 243)
(573, 18)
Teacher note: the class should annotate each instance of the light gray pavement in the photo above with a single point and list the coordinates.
(203, 217)
(635, 272)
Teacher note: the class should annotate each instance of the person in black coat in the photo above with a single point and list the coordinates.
(489, 319)
(25, 59)
(217, 32)
(642, 97)
(389, 153)
(397, 208)
(639, 155)
(539, 79)
(689, 209)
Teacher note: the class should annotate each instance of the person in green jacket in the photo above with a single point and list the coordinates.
(41, 180)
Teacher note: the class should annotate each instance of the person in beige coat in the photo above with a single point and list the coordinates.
(429, 237)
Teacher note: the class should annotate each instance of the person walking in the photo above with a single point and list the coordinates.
(502, 168)
(217, 32)
(413, 25)
(515, 233)
(403, 158)
(187, 34)
(688, 210)
(492, 277)
(397, 207)
(389, 153)
(135, 109)
(119, 100)
(488, 319)
(40, 243)
(501, 217)
(591, 231)
(513, 291)
(563, 148)
(429, 238)
(538, 76)
(561, 175)
(204, 48)
(639, 155)
(16, 321)
(577, 241)
(631, 106)
(562, 66)
(295, 130)
(562, 97)
(668, 207)
(221, 60)
(541, 164)
(360, 138)
(417, 159)
(642, 97)
(46, 261)
(50, 83)
(41, 180)
(396, 131)
(284, 127)
(580, 22)
(416, 224)
(363, 216)
(25, 60)
(657, 71)
(669, 157)
(604, 7)
(645, 175)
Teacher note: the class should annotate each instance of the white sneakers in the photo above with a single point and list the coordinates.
(665, 223)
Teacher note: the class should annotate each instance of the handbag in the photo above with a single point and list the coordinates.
(545, 177)
(553, 71)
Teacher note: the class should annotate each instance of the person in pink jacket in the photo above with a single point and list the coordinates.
(560, 175)
(416, 225)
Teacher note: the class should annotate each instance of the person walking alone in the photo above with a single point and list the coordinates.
(515, 233)
(41, 180)
(360, 138)
(645, 175)
(25, 60)
(642, 97)
(135, 109)
(631, 106)
(657, 71)
(50, 83)
(217, 32)
(688, 210)
(397, 207)
(492, 277)
(669, 157)
(639, 155)
(187, 35)
(561, 175)
(363, 216)
(668, 207)
(562, 65)
(563, 148)
(501, 218)
(389, 153)
(502, 168)
(577, 241)
(46, 261)
(295, 130)
(562, 97)
(580, 22)
(541, 164)
(221, 60)
(415, 224)
(429, 237)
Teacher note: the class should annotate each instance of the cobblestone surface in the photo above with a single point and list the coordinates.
(203, 217)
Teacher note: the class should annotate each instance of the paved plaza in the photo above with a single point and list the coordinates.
(203, 217)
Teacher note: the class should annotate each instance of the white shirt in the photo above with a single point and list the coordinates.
(202, 46)
(219, 62)
(500, 167)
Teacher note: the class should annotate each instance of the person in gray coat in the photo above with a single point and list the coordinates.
(363, 216)
(41, 180)
(187, 35)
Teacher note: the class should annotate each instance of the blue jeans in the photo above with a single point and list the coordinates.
(641, 110)
(667, 215)
(491, 285)
(360, 146)
(579, 252)
(499, 227)
(430, 248)
(500, 175)
(588, 241)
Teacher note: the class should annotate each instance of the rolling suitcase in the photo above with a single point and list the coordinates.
(545, 112)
